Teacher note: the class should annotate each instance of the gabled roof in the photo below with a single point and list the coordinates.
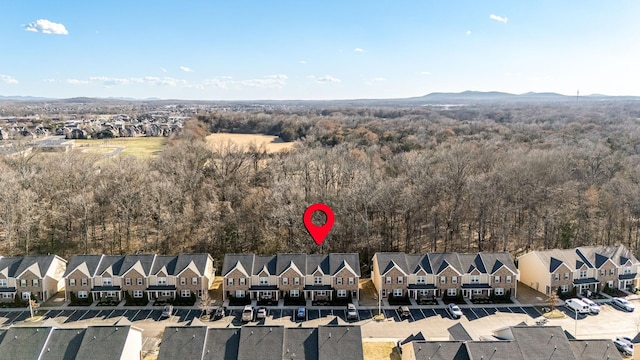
(113, 261)
(338, 261)
(285, 261)
(440, 350)
(591, 256)
(340, 342)
(276, 264)
(458, 332)
(593, 349)
(554, 264)
(42, 262)
(24, 342)
(129, 261)
(264, 262)
(530, 339)
(91, 262)
(261, 342)
(231, 261)
(318, 262)
(164, 261)
(11, 264)
(103, 342)
(221, 344)
(494, 350)
(181, 342)
(63, 344)
(441, 261)
(390, 260)
(199, 260)
(300, 343)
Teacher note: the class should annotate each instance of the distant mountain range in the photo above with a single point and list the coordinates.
(465, 97)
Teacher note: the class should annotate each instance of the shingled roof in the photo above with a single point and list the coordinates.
(329, 264)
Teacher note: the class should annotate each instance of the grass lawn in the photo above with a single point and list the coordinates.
(142, 147)
(272, 143)
(380, 351)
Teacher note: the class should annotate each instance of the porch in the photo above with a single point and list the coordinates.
(318, 292)
(161, 292)
(100, 292)
(476, 290)
(422, 291)
(264, 292)
(586, 284)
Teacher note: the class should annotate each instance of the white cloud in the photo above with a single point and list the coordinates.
(49, 80)
(372, 81)
(271, 81)
(185, 69)
(326, 79)
(425, 73)
(77, 82)
(358, 50)
(302, 62)
(108, 81)
(47, 27)
(468, 32)
(8, 79)
(163, 70)
(498, 18)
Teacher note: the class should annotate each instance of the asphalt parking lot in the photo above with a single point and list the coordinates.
(71, 316)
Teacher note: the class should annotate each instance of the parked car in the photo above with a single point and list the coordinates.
(577, 306)
(220, 313)
(623, 303)
(261, 313)
(454, 310)
(301, 314)
(247, 313)
(167, 311)
(404, 312)
(625, 339)
(352, 312)
(593, 307)
(623, 347)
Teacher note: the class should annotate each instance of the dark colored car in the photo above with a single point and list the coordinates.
(220, 313)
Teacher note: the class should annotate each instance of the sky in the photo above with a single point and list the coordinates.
(308, 49)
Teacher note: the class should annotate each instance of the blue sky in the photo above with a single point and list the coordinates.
(326, 49)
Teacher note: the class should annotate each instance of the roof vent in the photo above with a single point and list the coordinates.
(329, 335)
(176, 329)
(48, 349)
(94, 337)
(194, 336)
(270, 329)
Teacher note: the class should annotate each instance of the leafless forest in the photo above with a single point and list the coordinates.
(412, 179)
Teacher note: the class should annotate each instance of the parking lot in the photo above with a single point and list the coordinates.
(70, 316)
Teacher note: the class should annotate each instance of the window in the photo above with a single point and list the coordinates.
(443, 279)
(564, 288)
(566, 276)
(296, 281)
(111, 294)
(557, 277)
(239, 293)
(400, 279)
(166, 293)
(499, 291)
(610, 284)
(139, 281)
(627, 270)
(162, 281)
(34, 282)
(454, 279)
(496, 279)
(83, 282)
(185, 293)
(317, 280)
(183, 281)
(321, 293)
(3, 282)
(285, 281)
(72, 282)
(509, 279)
(397, 292)
(294, 293)
(612, 272)
(107, 281)
(194, 281)
(83, 294)
(127, 281)
(603, 272)
(388, 280)
(352, 281)
(26, 295)
(339, 281)
(7, 295)
(242, 280)
(451, 292)
(477, 291)
(342, 293)
(420, 279)
(384, 292)
(137, 293)
(23, 283)
(264, 281)
(475, 279)
(583, 274)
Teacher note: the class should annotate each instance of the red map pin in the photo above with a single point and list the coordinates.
(318, 233)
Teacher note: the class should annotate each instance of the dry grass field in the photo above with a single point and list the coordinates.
(142, 147)
(273, 144)
(380, 351)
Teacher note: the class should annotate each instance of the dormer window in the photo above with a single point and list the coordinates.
(420, 280)
(107, 281)
(264, 281)
(162, 281)
(317, 280)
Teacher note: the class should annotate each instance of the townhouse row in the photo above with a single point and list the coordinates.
(106, 276)
(431, 275)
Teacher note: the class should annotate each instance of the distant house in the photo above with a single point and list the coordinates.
(313, 277)
(118, 342)
(158, 276)
(444, 274)
(588, 268)
(40, 276)
(262, 342)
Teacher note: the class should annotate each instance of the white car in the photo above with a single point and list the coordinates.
(593, 307)
(261, 313)
(623, 304)
(352, 312)
(454, 310)
(247, 314)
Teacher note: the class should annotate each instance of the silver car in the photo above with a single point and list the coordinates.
(623, 304)
(454, 310)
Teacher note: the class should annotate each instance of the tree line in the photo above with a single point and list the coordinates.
(486, 178)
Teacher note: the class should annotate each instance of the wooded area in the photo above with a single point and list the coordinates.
(418, 179)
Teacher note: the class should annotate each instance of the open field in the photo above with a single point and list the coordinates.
(142, 147)
(273, 144)
(380, 350)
